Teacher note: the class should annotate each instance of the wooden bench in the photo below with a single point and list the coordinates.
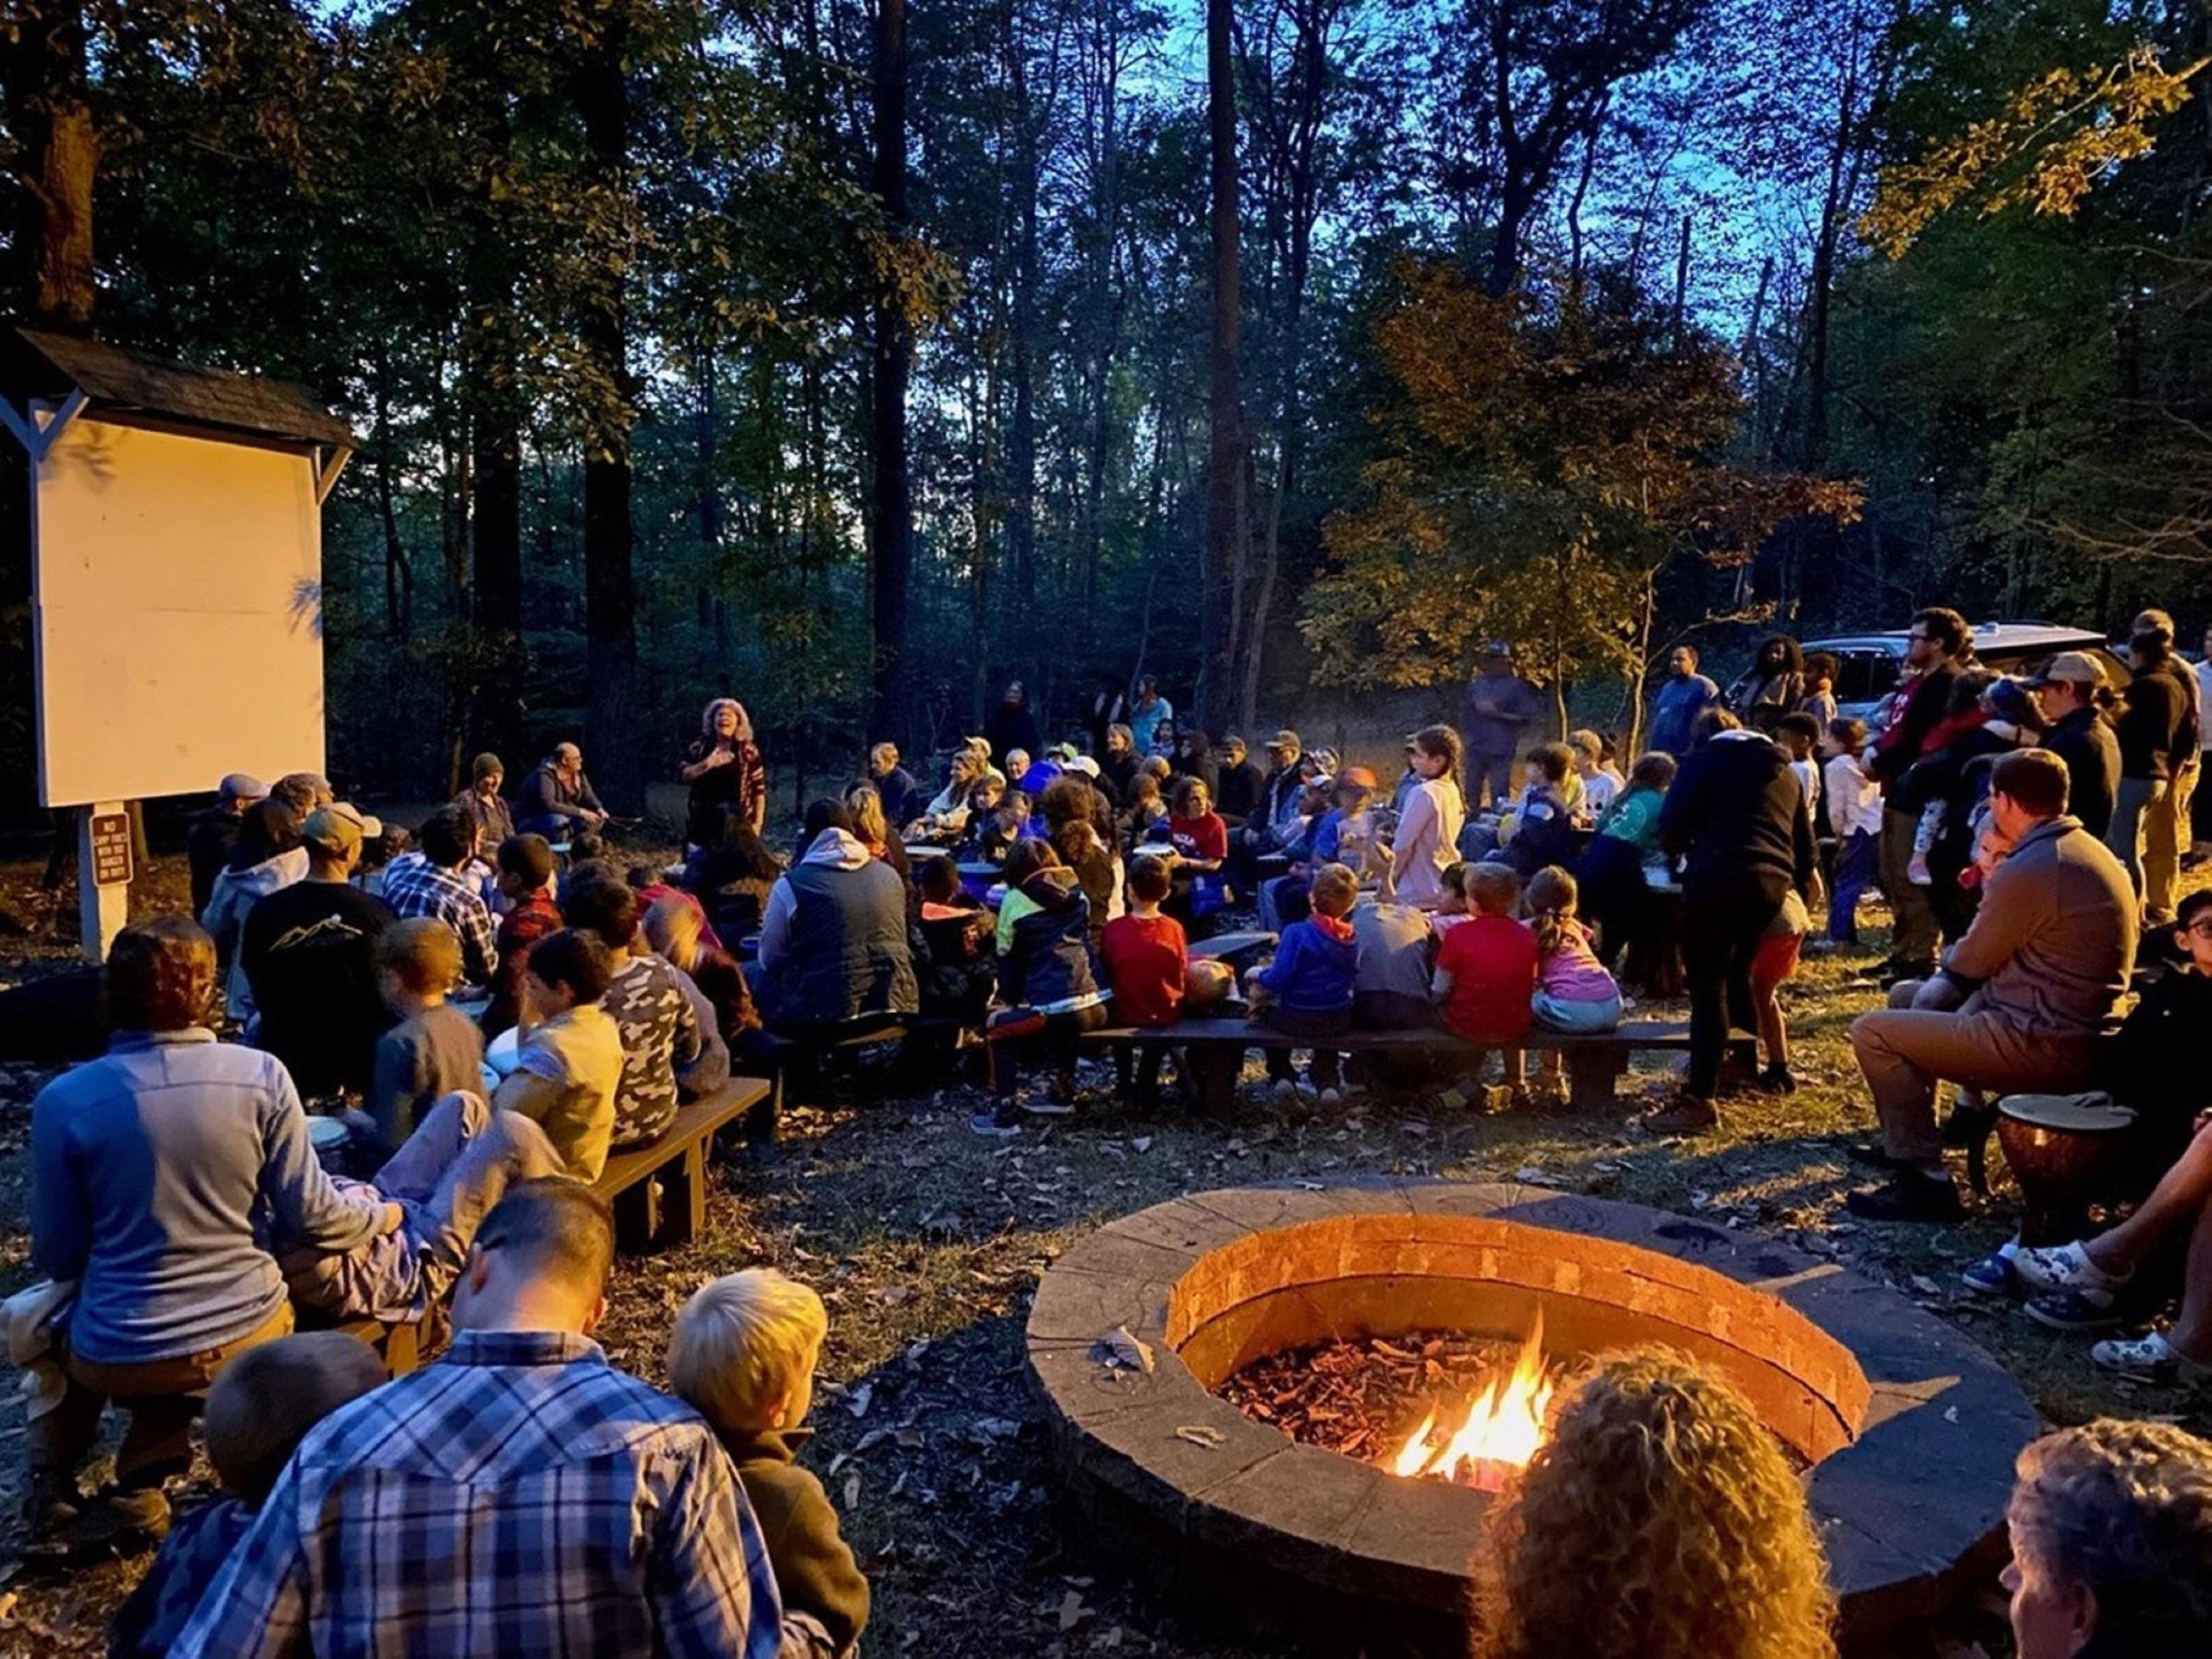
(1216, 1047)
(402, 1347)
(650, 1213)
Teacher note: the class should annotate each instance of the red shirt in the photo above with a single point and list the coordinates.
(530, 920)
(1492, 963)
(1144, 958)
(1206, 839)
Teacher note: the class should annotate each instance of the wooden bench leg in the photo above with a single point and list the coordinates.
(1215, 1070)
(686, 1206)
(1592, 1074)
(403, 1349)
(637, 1216)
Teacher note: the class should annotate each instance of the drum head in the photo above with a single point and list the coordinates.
(2088, 1115)
(324, 1133)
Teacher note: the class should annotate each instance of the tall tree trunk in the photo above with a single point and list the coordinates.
(1225, 503)
(893, 507)
(1022, 438)
(492, 406)
(610, 734)
(57, 153)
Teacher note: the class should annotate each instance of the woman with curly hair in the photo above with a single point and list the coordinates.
(2112, 1544)
(1660, 1520)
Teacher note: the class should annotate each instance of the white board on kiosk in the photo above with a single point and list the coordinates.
(177, 606)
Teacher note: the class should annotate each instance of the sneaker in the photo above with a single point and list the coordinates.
(1777, 1080)
(2152, 1358)
(1690, 1114)
(1992, 1275)
(2073, 1311)
(1908, 1195)
(1871, 1153)
(1049, 1106)
(1884, 970)
(2068, 1267)
(988, 1123)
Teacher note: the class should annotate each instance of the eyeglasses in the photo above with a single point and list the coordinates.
(2200, 929)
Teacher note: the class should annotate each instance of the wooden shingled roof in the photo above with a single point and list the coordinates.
(127, 383)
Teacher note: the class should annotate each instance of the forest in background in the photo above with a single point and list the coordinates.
(852, 360)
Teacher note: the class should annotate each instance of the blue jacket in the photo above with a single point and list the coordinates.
(1680, 702)
(1313, 967)
(158, 1172)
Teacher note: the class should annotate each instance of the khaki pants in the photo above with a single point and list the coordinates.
(1905, 1052)
(1913, 930)
(163, 1397)
(2166, 837)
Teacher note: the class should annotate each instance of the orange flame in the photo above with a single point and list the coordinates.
(1503, 1427)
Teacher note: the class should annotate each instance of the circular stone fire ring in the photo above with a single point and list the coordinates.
(1909, 1430)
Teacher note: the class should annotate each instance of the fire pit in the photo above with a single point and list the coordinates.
(1908, 1429)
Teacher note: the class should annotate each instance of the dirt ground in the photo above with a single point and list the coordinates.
(927, 1242)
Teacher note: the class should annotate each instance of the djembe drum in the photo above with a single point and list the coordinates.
(2066, 1150)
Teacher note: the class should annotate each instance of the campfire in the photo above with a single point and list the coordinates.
(1497, 1432)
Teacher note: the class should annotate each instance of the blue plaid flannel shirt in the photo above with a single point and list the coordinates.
(519, 1499)
(413, 887)
(191, 1555)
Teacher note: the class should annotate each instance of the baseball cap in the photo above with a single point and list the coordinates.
(341, 827)
(1358, 777)
(1084, 764)
(1285, 738)
(2071, 668)
(243, 785)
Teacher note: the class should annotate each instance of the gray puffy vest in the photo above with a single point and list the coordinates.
(847, 955)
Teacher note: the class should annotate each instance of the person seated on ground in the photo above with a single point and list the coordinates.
(1007, 824)
(659, 1027)
(1485, 976)
(2110, 1526)
(2048, 956)
(1616, 897)
(211, 833)
(872, 827)
(1238, 787)
(1659, 1520)
(486, 807)
(1146, 959)
(308, 952)
(637, 1533)
(435, 1048)
(556, 800)
(2155, 1065)
(1544, 816)
(833, 944)
(152, 1169)
(1045, 981)
(434, 882)
(1428, 831)
(526, 869)
(1574, 992)
(743, 1354)
(1397, 948)
(568, 1062)
(1306, 992)
(723, 768)
(895, 784)
(258, 1412)
(1601, 783)
(267, 858)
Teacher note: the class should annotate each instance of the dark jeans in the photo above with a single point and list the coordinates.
(1052, 1043)
(1310, 1025)
(1615, 897)
(1854, 871)
(1723, 921)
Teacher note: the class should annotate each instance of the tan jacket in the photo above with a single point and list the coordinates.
(2054, 941)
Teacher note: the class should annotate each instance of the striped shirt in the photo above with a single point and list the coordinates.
(519, 1499)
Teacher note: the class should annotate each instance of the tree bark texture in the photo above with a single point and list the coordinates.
(1226, 508)
(893, 507)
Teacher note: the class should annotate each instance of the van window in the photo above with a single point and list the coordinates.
(1865, 676)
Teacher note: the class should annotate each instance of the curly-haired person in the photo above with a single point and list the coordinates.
(2112, 1544)
(1660, 1520)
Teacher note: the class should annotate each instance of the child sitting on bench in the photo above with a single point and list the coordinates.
(1485, 975)
(1306, 991)
(1147, 963)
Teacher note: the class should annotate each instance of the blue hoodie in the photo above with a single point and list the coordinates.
(1313, 967)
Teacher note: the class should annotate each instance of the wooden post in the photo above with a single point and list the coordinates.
(103, 876)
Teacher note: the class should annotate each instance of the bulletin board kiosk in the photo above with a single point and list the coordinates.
(176, 583)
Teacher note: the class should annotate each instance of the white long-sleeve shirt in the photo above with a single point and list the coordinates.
(1854, 799)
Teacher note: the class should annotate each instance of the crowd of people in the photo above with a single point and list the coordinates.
(497, 1007)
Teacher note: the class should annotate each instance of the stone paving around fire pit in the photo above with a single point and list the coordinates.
(1911, 1429)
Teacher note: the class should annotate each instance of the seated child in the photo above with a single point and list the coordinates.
(1045, 981)
(1397, 948)
(658, 1026)
(1003, 828)
(1601, 779)
(1146, 961)
(1574, 992)
(1306, 992)
(259, 1411)
(435, 1048)
(1544, 817)
(1773, 965)
(570, 1063)
(954, 965)
(1616, 895)
(1452, 907)
(525, 881)
(1485, 981)
(743, 1354)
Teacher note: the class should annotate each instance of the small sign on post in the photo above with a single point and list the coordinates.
(103, 876)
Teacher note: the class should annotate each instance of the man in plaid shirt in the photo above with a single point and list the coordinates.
(435, 882)
(519, 1497)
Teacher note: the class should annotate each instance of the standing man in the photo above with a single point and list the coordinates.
(1144, 721)
(2165, 820)
(1109, 707)
(520, 1496)
(1686, 695)
(2071, 693)
(2048, 955)
(902, 802)
(1736, 816)
(214, 832)
(1011, 726)
(1494, 720)
(1934, 644)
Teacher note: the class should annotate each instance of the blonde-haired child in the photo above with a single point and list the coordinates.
(743, 1352)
